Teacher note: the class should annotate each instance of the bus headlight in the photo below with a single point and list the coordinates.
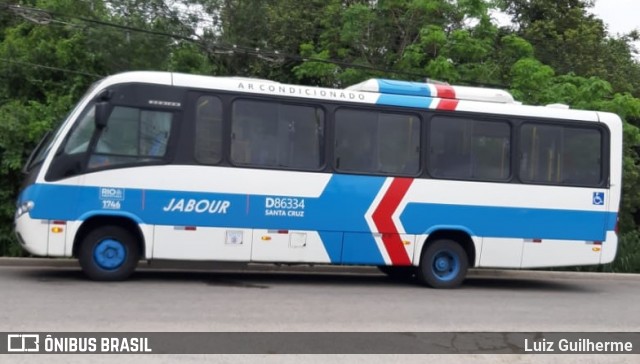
(24, 208)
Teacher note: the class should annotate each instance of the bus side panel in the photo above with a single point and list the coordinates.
(557, 253)
(501, 253)
(57, 238)
(294, 246)
(201, 243)
(609, 248)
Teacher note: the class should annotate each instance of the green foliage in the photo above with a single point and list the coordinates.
(568, 38)
(628, 256)
(555, 52)
(530, 79)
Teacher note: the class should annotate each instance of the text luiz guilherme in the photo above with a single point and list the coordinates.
(576, 346)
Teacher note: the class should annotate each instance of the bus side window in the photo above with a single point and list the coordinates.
(399, 143)
(274, 134)
(354, 147)
(377, 142)
(582, 156)
(465, 148)
(208, 145)
(132, 135)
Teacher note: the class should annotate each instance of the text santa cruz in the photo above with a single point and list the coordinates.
(300, 91)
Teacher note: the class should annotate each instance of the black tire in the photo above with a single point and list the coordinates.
(401, 273)
(109, 253)
(443, 264)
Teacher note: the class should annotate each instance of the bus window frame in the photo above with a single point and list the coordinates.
(418, 114)
(167, 158)
(190, 125)
(605, 153)
(228, 110)
(513, 125)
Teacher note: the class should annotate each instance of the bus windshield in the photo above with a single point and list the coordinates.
(37, 155)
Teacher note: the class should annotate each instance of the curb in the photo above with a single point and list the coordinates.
(257, 267)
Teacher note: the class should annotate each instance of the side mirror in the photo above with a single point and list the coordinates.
(101, 114)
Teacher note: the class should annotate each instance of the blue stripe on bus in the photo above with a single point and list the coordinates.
(332, 241)
(612, 222)
(361, 248)
(403, 88)
(338, 214)
(341, 207)
(509, 222)
(405, 101)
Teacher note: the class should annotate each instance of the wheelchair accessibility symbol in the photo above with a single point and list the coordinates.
(598, 198)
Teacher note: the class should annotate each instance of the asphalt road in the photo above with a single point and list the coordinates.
(36, 298)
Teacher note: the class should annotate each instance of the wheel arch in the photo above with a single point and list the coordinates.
(459, 235)
(126, 222)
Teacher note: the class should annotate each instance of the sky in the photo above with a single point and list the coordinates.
(620, 16)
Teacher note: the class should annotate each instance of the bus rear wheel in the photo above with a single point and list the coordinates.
(109, 253)
(443, 264)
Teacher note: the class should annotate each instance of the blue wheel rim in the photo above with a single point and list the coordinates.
(109, 254)
(445, 265)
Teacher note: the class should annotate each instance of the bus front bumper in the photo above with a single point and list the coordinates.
(33, 234)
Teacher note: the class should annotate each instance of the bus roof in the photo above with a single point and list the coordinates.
(408, 94)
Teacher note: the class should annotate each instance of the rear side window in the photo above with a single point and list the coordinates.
(273, 134)
(560, 155)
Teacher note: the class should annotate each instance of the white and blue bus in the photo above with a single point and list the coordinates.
(415, 178)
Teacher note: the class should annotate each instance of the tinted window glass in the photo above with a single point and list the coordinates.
(276, 135)
(560, 155)
(376, 142)
(79, 138)
(132, 135)
(469, 149)
(208, 148)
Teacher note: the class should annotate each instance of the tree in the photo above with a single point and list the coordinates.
(48, 59)
(568, 38)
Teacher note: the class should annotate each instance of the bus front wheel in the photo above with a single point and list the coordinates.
(443, 264)
(109, 253)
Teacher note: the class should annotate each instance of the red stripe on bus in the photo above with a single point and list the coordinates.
(445, 104)
(446, 92)
(382, 217)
